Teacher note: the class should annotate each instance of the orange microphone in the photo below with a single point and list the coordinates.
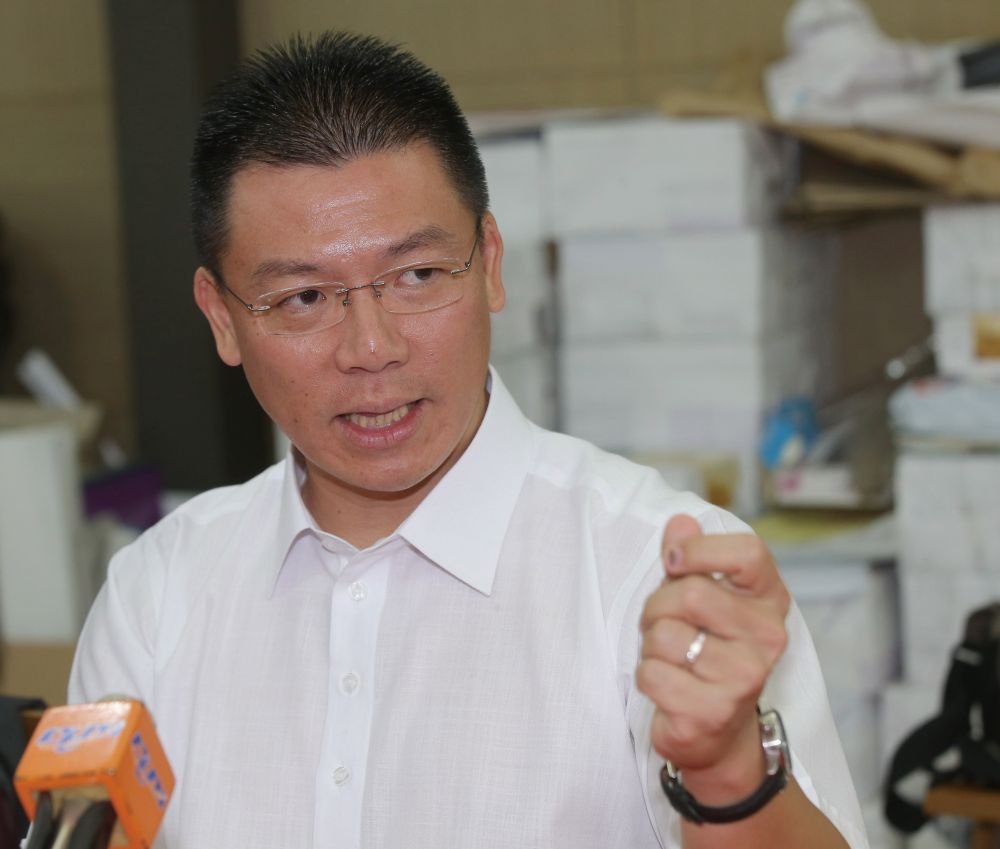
(94, 776)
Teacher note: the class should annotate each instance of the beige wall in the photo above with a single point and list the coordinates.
(58, 193)
(525, 53)
(58, 196)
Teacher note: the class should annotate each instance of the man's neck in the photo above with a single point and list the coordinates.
(362, 517)
(358, 518)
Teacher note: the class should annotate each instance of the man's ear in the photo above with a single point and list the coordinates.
(211, 301)
(491, 250)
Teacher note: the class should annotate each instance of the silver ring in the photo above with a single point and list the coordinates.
(697, 644)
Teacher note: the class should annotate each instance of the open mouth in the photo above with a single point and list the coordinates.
(373, 421)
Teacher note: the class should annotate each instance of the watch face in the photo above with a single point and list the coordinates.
(775, 743)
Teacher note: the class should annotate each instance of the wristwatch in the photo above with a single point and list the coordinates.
(778, 763)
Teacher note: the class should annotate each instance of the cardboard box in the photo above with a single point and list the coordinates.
(744, 282)
(516, 179)
(949, 514)
(934, 609)
(529, 375)
(856, 716)
(527, 319)
(641, 395)
(651, 174)
(44, 591)
(962, 258)
(852, 611)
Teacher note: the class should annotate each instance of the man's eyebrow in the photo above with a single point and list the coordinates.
(426, 237)
(432, 235)
(283, 268)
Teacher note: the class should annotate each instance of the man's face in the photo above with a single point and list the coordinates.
(380, 403)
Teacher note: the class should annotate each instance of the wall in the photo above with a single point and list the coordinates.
(521, 53)
(58, 198)
(58, 183)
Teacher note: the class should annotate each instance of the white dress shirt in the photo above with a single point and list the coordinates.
(465, 682)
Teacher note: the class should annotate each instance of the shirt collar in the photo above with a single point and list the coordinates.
(293, 518)
(462, 523)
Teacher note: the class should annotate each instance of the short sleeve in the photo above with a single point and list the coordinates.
(795, 688)
(116, 650)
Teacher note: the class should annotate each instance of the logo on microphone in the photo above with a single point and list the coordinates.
(146, 772)
(68, 738)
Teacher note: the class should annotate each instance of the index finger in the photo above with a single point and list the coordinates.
(742, 559)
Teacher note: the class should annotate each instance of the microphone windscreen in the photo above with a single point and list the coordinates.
(107, 750)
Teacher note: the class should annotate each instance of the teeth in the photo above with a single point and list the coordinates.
(381, 420)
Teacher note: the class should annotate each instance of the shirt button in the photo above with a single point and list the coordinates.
(349, 683)
(341, 775)
(358, 591)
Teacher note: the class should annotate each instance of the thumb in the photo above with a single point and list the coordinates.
(678, 531)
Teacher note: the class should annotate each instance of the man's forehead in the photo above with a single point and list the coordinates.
(304, 220)
(414, 158)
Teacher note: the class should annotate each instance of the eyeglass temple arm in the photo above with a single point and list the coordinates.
(249, 307)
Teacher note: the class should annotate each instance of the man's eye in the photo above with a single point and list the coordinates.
(422, 276)
(303, 299)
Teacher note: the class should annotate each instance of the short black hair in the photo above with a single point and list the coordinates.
(324, 101)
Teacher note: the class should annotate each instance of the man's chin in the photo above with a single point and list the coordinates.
(378, 485)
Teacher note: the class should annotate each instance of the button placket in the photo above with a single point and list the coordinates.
(355, 610)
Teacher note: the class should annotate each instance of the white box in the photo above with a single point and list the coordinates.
(947, 487)
(44, 589)
(905, 706)
(856, 716)
(655, 173)
(530, 377)
(852, 611)
(638, 395)
(527, 319)
(962, 258)
(961, 547)
(934, 609)
(743, 281)
(948, 506)
(515, 177)
(968, 344)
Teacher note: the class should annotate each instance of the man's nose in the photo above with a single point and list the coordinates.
(369, 335)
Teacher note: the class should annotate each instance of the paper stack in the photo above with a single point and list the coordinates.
(962, 261)
(44, 593)
(947, 486)
(650, 174)
(523, 345)
(949, 516)
(948, 513)
(686, 311)
(844, 582)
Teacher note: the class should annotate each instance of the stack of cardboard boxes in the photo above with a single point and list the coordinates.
(523, 349)
(962, 254)
(947, 486)
(687, 310)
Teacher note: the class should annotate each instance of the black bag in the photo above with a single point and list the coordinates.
(13, 820)
(967, 727)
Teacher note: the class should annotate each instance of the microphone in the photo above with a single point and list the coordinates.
(94, 776)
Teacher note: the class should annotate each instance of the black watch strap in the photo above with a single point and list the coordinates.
(691, 809)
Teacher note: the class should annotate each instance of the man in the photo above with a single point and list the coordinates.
(422, 628)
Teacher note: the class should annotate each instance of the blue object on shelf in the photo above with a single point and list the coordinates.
(789, 433)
